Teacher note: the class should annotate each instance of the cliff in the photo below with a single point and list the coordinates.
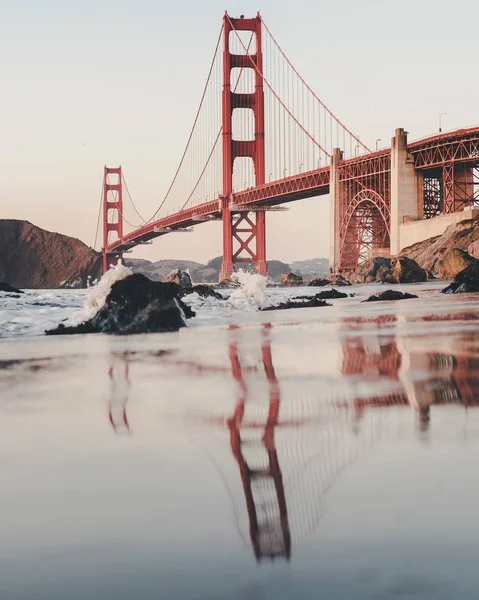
(429, 253)
(31, 257)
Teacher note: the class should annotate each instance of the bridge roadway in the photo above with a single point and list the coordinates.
(460, 147)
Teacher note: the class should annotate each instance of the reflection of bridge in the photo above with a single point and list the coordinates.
(261, 137)
(288, 452)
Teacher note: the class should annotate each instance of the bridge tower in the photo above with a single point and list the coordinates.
(112, 211)
(244, 237)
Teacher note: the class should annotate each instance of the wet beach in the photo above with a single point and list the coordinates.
(320, 452)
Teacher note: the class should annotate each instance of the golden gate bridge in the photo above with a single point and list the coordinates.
(261, 138)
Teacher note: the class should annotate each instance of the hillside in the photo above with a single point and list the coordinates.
(200, 273)
(31, 257)
(463, 235)
(311, 267)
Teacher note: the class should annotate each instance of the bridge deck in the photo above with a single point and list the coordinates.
(461, 145)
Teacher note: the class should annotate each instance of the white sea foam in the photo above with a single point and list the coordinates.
(97, 294)
(252, 292)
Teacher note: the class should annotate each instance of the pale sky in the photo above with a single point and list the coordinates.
(99, 82)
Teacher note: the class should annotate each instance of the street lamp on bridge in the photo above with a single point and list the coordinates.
(440, 121)
(378, 140)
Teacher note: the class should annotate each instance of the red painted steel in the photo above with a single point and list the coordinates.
(244, 238)
(112, 212)
(369, 172)
(448, 165)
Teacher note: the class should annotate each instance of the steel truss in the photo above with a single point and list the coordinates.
(364, 208)
(432, 196)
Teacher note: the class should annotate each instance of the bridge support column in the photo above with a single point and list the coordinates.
(244, 237)
(227, 266)
(334, 198)
(112, 212)
(405, 198)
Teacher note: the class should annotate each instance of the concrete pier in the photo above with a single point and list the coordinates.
(334, 195)
(406, 189)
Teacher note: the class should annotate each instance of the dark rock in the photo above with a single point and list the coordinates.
(6, 287)
(453, 262)
(387, 270)
(87, 327)
(181, 278)
(291, 280)
(318, 282)
(330, 295)
(338, 281)
(374, 269)
(325, 295)
(228, 284)
(406, 270)
(136, 305)
(203, 290)
(465, 281)
(294, 303)
(389, 295)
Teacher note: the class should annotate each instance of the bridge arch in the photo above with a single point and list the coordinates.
(365, 226)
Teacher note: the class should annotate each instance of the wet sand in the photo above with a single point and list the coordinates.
(306, 453)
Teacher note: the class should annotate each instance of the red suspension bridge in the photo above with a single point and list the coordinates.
(261, 138)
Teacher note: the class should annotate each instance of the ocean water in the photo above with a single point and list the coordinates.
(308, 453)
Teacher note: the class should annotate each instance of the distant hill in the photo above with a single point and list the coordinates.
(158, 270)
(209, 273)
(312, 267)
(31, 257)
(200, 273)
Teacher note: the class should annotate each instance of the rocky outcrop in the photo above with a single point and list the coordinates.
(6, 287)
(454, 261)
(225, 284)
(338, 280)
(318, 282)
(181, 278)
(325, 295)
(291, 280)
(406, 270)
(375, 269)
(318, 299)
(203, 290)
(465, 281)
(387, 270)
(428, 253)
(136, 305)
(313, 302)
(389, 295)
(31, 257)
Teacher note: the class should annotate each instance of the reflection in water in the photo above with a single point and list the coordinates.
(287, 463)
(119, 388)
(423, 378)
(262, 480)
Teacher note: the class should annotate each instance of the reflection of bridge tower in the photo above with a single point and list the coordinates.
(119, 385)
(261, 473)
